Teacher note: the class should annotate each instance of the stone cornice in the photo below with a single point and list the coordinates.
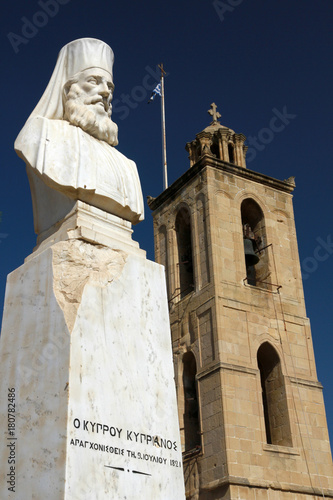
(262, 484)
(219, 365)
(307, 383)
(213, 367)
(209, 161)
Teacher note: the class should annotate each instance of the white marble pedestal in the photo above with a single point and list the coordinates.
(88, 403)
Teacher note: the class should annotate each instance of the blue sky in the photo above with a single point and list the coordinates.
(253, 58)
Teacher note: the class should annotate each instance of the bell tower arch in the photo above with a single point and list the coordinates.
(251, 407)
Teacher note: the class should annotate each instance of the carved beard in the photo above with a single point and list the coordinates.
(83, 115)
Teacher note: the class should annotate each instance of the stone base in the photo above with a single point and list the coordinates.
(90, 224)
(88, 403)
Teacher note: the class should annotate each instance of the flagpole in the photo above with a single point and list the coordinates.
(165, 172)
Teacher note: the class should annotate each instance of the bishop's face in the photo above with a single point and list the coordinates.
(87, 104)
(97, 87)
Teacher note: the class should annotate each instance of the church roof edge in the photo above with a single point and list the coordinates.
(207, 161)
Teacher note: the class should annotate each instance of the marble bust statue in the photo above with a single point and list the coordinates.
(68, 142)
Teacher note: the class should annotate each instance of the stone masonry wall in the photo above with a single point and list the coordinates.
(224, 321)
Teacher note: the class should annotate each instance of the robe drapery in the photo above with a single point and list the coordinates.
(75, 163)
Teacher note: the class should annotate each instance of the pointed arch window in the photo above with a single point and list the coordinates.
(191, 409)
(274, 398)
(255, 244)
(185, 254)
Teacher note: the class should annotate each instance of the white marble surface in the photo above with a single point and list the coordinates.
(68, 142)
(93, 225)
(86, 346)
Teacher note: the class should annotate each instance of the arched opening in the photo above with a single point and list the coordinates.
(231, 151)
(215, 149)
(185, 256)
(255, 244)
(191, 410)
(274, 398)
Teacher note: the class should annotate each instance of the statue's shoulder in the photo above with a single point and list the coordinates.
(31, 130)
(28, 141)
(40, 133)
(38, 127)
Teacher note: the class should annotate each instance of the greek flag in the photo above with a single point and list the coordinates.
(155, 92)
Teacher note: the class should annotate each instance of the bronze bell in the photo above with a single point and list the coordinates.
(251, 258)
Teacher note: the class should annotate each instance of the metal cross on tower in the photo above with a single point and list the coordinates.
(215, 114)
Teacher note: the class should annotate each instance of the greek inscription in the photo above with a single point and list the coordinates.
(97, 428)
(132, 436)
(97, 447)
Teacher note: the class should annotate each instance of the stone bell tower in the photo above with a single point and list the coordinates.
(251, 409)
